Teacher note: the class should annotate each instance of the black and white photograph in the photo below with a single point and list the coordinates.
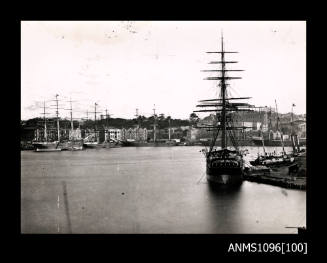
(163, 127)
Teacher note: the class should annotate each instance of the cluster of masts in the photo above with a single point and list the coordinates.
(87, 116)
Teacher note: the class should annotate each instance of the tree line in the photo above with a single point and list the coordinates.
(160, 120)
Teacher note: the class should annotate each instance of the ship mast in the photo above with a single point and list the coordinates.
(223, 92)
(137, 117)
(223, 104)
(71, 116)
(57, 116)
(270, 122)
(137, 129)
(169, 128)
(292, 130)
(277, 126)
(45, 122)
(154, 123)
(294, 138)
(57, 113)
(281, 135)
(95, 120)
(107, 121)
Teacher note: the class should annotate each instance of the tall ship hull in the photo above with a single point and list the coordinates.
(225, 171)
(45, 146)
(134, 144)
(72, 146)
(97, 145)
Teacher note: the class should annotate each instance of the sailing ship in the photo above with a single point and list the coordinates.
(223, 165)
(138, 141)
(75, 142)
(92, 140)
(270, 141)
(274, 159)
(46, 145)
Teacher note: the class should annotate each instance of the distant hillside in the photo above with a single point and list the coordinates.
(256, 116)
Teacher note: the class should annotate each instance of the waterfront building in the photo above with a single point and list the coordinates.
(75, 134)
(90, 136)
(138, 134)
(113, 134)
(195, 134)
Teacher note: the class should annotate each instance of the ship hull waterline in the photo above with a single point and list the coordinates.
(46, 146)
(92, 145)
(225, 176)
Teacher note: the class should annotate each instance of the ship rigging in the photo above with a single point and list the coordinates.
(224, 166)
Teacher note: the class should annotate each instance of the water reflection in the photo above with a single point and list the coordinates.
(223, 211)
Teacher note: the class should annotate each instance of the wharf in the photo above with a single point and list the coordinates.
(279, 176)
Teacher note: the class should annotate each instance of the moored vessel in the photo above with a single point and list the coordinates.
(45, 145)
(224, 166)
(92, 141)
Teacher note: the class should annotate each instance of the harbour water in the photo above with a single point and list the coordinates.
(147, 190)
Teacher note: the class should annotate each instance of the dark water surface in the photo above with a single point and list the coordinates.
(146, 190)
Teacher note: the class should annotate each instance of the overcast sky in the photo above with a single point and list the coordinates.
(127, 65)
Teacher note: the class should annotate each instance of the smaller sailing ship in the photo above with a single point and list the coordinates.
(268, 136)
(92, 140)
(46, 145)
(274, 159)
(139, 140)
(75, 142)
(224, 166)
